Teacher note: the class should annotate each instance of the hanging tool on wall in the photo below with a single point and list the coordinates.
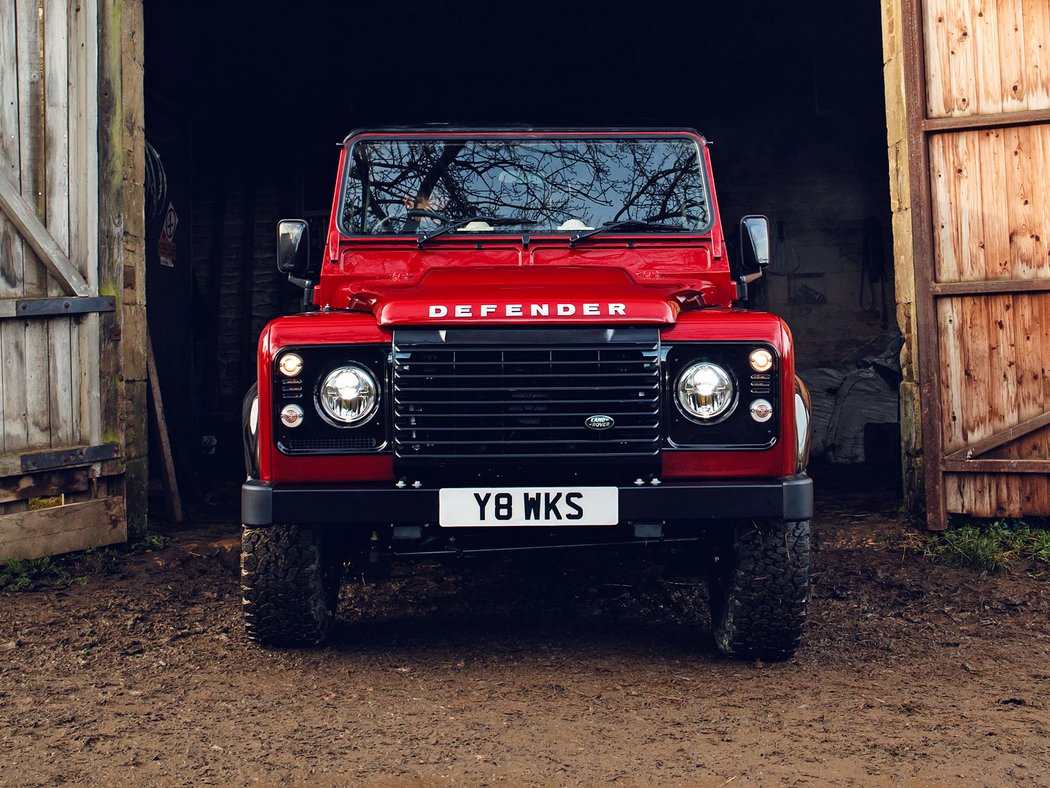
(873, 270)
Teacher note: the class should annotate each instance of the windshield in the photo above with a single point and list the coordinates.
(410, 187)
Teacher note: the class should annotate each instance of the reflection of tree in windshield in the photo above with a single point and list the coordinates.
(549, 182)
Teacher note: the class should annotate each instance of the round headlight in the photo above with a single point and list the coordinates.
(705, 391)
(348, 394)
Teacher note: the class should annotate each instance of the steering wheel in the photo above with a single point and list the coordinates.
(385, 221)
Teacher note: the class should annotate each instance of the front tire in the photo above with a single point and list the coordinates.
(759, 590)
(290, 577)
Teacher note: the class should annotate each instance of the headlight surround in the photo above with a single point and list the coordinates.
(705, 392)
(348, 395)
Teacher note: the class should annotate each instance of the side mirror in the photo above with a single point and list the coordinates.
(293, 247)
(754, 243)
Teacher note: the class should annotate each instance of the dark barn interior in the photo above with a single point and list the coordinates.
(245, 104)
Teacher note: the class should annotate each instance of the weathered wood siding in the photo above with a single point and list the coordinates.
(972, 111)
(984, 57)
(67, 182)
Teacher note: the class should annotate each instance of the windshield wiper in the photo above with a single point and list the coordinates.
(492, 221)
(626, 224)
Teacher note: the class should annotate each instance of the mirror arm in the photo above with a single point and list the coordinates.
(308, 291)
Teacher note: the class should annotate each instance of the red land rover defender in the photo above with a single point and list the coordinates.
(526, 338)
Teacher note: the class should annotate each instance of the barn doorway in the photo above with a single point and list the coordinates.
(245, 104)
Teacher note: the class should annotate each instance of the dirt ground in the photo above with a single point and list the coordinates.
(566, 670)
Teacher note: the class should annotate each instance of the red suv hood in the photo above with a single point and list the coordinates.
(526, 295)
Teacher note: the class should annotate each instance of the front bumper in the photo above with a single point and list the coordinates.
(789, 498)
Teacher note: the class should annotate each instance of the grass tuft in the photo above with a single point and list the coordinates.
(73, 568)
(22, 575)
(998, 547)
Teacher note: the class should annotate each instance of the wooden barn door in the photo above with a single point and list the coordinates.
(981, 195)
(61, 472)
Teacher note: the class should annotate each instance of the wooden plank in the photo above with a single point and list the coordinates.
(28, 194)
(1012, 83)
(974, 494)
(1030, 446)
(959, 221)
(1021, 202)
(975, 122)
(14, 434)
(944, 169)
(984, 21)
(37, 236)
(110, 216)
(1040, 145)
(1035, 494)
(74, 66)
(1012, 465)
(984, 445)
(1028, 368)
(1039, 369)
(171, 480)
(976, 419)
(1036, 14)
(56, 143)
(966, 201)
(83, 198)
(62, 529)
(44, 485)
(955, 289)
(938, 55)
(951, 361)
(56, 129)
(1002, 354)
(995, 247)
(962, 61)
(28, 201)
(922, 254)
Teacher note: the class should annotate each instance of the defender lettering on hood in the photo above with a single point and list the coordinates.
(439, 311)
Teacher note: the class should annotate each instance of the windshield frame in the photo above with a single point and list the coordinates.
(354, 138)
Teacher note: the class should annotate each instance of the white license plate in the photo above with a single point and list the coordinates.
(528, 506)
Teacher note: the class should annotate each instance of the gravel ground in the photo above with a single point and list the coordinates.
(572, 669)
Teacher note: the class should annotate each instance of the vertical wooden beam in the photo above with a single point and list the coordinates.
(30, 127)
(923, 260)
(908, 102)
(57, 143)
(106, 393)
(171, 480)
(897, 140)
(14, 428)
(134, 343)
(88, 222)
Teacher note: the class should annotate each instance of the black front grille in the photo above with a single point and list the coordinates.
(526, 394)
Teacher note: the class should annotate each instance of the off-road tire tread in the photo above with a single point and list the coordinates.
(760, 591)
(289, 584)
